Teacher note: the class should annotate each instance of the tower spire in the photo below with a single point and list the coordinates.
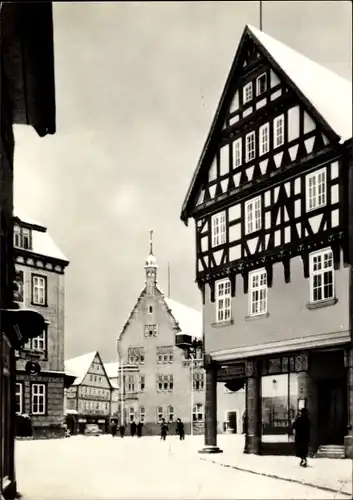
(151, 242)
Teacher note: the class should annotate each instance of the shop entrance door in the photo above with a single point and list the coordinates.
(332, 411)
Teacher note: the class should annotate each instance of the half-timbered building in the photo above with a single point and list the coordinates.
(270, 199)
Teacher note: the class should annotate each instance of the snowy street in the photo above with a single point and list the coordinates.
(109, 468)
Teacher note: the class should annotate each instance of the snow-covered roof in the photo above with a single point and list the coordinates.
(188, 319)
(42, 242)
(112, 369)
(330, 94)
(79, 366)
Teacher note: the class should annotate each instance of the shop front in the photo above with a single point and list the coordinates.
(278, 387)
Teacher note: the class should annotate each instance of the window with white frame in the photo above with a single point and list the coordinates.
(131, 414)
(165, 383)
(261, 84)
(198, 381)
(131, 383)
(39, 292)
(253, 215)
(151, 330)
(316, 188)
(159, 414)
(142, 383)
(219, 229)
(38, 399)
(278, 131)
(197, 413)
(223, 300)
(38, 343)
(258, 292)
(142, 413)
(136, 355)
(247, 92)
(165, 354)
(321, 276)
(250, 146)
(22, 237)
(237, 148)
(264, 132)
(19, 397)
(170, 413)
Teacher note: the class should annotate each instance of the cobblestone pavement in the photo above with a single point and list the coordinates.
(109, 468)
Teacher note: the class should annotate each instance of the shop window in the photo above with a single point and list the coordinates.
(279, 403)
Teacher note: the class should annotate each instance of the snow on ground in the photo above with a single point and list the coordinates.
(109, 468)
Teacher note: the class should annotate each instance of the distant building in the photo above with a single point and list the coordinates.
(112, 373)
(156, 374)
(271, 198)
(40, 279)
(88, 399)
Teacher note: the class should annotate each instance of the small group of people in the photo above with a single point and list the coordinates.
(135, 429)
(179, 429)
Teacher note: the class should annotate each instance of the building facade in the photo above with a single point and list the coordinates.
(26, 97)
(159, 380)
(40, 278)
(270, 201)
(88, 399)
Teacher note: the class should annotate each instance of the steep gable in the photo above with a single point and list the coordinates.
(322, 115)
(79, 366)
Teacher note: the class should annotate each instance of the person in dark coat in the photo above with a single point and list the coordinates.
(122, 430)
(133, 428)
(164, 429)
(301, 427)
(180, 429)
(113, 428)
(139, 429)
(245, 422)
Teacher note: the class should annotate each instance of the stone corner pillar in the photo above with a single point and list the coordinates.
(348, 439)
(252, 408)
(211, 410)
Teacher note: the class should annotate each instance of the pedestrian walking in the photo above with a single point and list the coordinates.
(301, 427)
(180, 429)
(113, 428)
(139, 429)
(164, 429)
(133, 428)
(122, 430)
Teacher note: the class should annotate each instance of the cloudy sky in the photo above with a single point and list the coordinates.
(136, 88)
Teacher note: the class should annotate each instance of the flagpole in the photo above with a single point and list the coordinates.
(260, 15)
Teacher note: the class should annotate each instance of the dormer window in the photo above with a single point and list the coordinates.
(22, 237)
(247, 93)
(261, 84)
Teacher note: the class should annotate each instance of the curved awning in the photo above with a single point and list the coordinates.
(20, 325)
(235, 385)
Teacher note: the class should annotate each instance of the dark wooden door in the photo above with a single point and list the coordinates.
(232, 421)
(332, 411)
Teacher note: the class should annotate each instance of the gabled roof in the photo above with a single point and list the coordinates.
(186, 318)
(42, 242)
(328, 93)
(79, 366)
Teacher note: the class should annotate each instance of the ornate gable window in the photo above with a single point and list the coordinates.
(247, 93)
(316, 188)
(151, 330)
(253, 215)
(237, 149)
(264, 139)
(321, 276)
(261, 84)
(278, 131)
(22, 237)
(250, 146)
(219, 229)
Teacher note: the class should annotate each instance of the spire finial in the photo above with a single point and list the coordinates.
(151, 243)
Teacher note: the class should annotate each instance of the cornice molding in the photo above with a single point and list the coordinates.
(37, 261)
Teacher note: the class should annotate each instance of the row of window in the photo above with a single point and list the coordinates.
(38, 288)
(164, 382)
(94, 405)
(37, 395)
(316, 197)
(263, 138)
(130, 383)
(260, 84)
(321, 287)
(95, 378)
(136, 355)
(93, 391)
(168, 414)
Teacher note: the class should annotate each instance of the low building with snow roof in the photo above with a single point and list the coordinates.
(88, 399)
(40, 269)
(158, 379)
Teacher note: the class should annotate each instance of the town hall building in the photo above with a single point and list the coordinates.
(270, 199)
(159, 381)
